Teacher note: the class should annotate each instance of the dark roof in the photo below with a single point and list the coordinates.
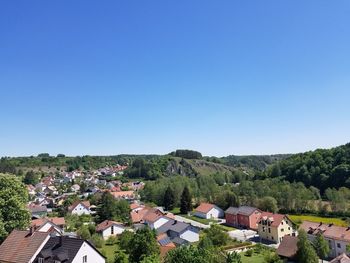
(176, 226)
(61, 248)
(21, 246)
(288, 247)
(165, 241)
(37, 208)
(179, 241)
(243, 210)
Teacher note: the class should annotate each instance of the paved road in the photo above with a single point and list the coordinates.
(192, 222)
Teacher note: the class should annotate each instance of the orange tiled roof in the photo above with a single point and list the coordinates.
(106, 224)
(204, 207)
(56, 220)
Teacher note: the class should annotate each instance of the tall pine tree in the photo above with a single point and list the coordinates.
(186, 201)
(169, 199)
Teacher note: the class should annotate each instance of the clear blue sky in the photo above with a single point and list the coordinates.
(220, 77)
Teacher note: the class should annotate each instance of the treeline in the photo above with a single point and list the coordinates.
(14, 164)
(187, 154)
(256, 162)
(322, 168)
(271, 194)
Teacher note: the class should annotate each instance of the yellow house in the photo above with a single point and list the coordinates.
(273, 227)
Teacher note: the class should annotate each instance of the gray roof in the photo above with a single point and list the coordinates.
(165, 241)
(176, 226)
(179, 241)
(243, 210)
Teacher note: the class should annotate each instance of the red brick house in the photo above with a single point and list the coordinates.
(243, 216)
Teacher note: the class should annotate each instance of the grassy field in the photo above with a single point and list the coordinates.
(200, 220)
(255, 258)
(108, 251)
(327, 220)
(226, 228)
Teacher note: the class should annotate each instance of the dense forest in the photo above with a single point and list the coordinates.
(322, 168)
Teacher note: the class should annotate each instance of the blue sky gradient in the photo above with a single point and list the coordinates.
(227, 77)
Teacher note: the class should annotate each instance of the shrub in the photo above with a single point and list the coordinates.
(248, 253)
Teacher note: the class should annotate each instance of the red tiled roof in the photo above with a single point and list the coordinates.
(204, 207)
(20, 246)
(288, 247)
(123, 194)
(106, 224)
(276, 218)
(56, 220)
(328, 230)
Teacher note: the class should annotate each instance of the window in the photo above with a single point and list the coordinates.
(40, 260)
(269, 230)
(263, 229)
(338, 245)
(112, 230)
(282, 223)
(282, 230)
(84, 259)
(288, 228)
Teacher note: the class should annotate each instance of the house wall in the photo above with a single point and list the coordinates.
(92, 255)
(201, 215)
(80, 210)
(333, 244)
(275, 234)
(190, 236)
(254, 219)
(215, 212)
(231, 219)
(108, 232)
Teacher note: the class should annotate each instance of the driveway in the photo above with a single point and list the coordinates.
(242, 235)
(192, 222)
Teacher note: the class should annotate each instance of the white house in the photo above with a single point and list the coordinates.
(110, 228)
(62, 249)
(176, 230)
(209, 211)
(80, 208)
(155, 219)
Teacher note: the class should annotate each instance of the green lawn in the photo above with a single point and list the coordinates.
(327, 220)
(226, 228)
(200, 220)
(255, 258)
(108, 251)
(175, 211)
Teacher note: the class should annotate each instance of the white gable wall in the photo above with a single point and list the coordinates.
(80, 210)
(215, 212)
(92, 255)
(108, 232)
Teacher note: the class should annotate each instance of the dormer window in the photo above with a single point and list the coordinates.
(40, 260)
(57, 261)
